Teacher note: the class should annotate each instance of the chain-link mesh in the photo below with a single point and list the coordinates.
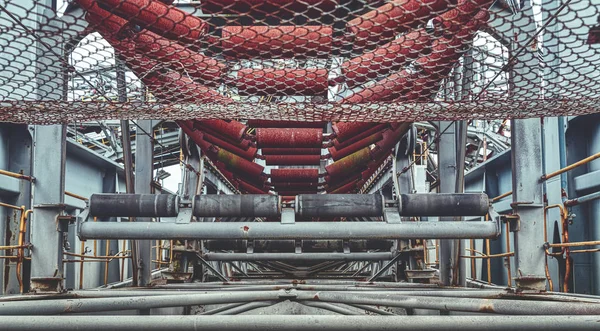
(348, 60)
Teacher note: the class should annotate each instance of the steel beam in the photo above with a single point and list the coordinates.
(143, 185)
(376, 256)
(301, 322)
(47, 234)
(299, 230)
(528, 203)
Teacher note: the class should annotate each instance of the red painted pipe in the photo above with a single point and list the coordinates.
(240, 165)
(282, 82)
(390, 139)
(365, 142)
(284, 41)
(446, 51)
(371, 169)
(195, 135)
(347, 130)
(102, 20)
(289, 138)
(381, 25)
(335, 183)
(293, 159)
(285, 124)
(276, 8)
(228, 174)
(163, 19)
(352, 163)
(294, 175)
(350, 187)
(232, 129)
(249, 188)
(179, 58)
(248, 154)
(387, 58)
(454, 20)
(386, 89)
(377, 128)
(291, 151)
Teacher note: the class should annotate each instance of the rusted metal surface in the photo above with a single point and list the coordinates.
(294, 175)
(248, 154)
(161, 18)
(381, 25)
(285, 124)
(352, 163)
(275, 8)
(237, 164)
(365, 142)
(284, 41)
(291, 151)
(293, 159)
(289, 138)
(232, 129)
(347, 130)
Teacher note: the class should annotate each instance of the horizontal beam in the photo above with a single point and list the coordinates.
(379, 256)
(301, 322)
(299, 230)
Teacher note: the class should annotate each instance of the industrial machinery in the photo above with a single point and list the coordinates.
(417, 164)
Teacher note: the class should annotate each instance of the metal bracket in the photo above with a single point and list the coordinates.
(496, 218)
(82, 217)
(391, 215)
(250, 247)
(288, 216)
(63, 222)
(298, 249)
(186, 212)
(514, 222)
(346, 244)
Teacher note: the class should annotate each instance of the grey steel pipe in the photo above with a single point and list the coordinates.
(301, 322)
(375, 256)
(62, 306)
(136, 205)
(300, 230)
(233, 205)
(444, 204)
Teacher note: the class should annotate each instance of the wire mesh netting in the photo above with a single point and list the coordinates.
(317, 60)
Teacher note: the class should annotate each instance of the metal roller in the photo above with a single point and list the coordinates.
(136, 205)
(347, 130)
(275, 8)
(339, 205)
(285, 124)
(169, 21)
(444, 204)
(225, 205)
(232, 129)
(291, 151)
(292, 159)
(353, 163)
(337, 154)
(283, 41)
(289, 138)
(294, 175)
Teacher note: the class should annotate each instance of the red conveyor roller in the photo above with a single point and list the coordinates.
(291, 151)
(292, 159)
(284, 41)
(294, 175)
(289, 138)
(168, 21)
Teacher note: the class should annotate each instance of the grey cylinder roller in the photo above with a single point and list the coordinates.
(247, 205)
(444, 204)
(339, 205)
(134, 205)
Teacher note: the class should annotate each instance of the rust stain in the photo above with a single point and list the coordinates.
(316, 297)
(245, 228)
(487, 307)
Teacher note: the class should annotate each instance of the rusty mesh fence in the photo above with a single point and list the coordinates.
(317, 60)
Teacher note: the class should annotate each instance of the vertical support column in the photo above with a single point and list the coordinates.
(526, 142)
(48, 204)
(450, 168)
(143, 185)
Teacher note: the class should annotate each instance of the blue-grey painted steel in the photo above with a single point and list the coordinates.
(528, 203)
(49, 170)
(302, 322)
(143, 185)
(299, 230)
